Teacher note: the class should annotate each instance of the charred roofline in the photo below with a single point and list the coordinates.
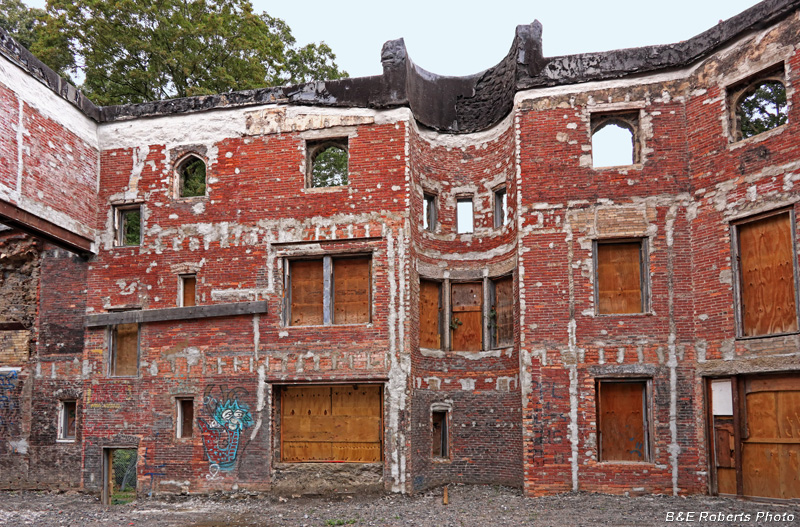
(447, 104)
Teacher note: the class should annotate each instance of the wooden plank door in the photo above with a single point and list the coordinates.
(467, 316)
(430, 336)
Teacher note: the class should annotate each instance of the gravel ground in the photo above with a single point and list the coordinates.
(468, 506)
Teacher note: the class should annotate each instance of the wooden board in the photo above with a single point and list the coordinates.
(331, 423)
(726, 481)
(307, 293)
(430, 335)
(619, 278)
(126, 352)
(467, 304)
(189, 286)
(766, 266)
(351, 290)
(622, 421)
(504, 307)
(724, 442)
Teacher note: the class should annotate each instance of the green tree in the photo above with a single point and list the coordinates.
(329, 167)
(763, 109)
(133, 51)
(27, 26)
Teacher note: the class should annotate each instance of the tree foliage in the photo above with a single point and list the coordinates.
(763, 109)
(28, 27)
(329, 167)
(130, 51)
(193, 178)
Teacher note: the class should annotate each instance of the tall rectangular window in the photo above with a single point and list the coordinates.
(765, 262)
(430, 314)
(500, 208)
(429, 212)
(439, 434)
(621, 277)
(464, 216)
(188, 290)
(466, 320)
(67, 419)
(185, 417)
(622, 420)
(125, 350)
(128, 224)
(329, 291)
(501, 315)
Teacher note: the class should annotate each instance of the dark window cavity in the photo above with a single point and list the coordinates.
(429, 213)
(500, 208)
(185, 417)
(439, 435)
(67, 419)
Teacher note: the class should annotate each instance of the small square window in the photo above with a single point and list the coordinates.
(327, 163)
(125, 350)
(439, 435)
(621, 276)
(500, 208)
(765, 265)
(187, 294)
(622, 420)
(185, 417)
(615, 139)
(464, 216)
(429, 213)
(67, 420)
(128, 222)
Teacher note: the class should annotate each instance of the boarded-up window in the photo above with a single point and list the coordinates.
(439, 435)
(466, 321)
(125, 350)
(430, 314)
(67, 420)
(306, 293)
(331, 423)
(501, 316)
(620, 284)
(188, 290)
(351, 288)
(766, 265)
(185, 417)
(622, 420)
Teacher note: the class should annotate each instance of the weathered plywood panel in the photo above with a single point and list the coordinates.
(761, 470)
(307, 451)
(726, 480)
(351, 290)
(619, 280)
(767, 276)
(357, 452)
(189, 290)
(306, 292)
(762, 411)
(126, 353)
(622, 421)
(724, 442)
(504, 309)
(361, 400)
(430, 335)
(467, 316)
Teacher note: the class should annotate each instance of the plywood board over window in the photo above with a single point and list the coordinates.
(341, 423)
(125, 350)
(622, 420)
(430, 335)
(502, 318)
(467, 318)
(619, 277)
(766, 275)
(351, 290)
(306, 293)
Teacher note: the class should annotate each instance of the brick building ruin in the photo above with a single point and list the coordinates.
(400, 281)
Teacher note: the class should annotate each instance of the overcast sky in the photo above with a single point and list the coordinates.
(465, 37)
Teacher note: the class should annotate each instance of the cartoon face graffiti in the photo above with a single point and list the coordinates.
(233, 415)
(222, 433)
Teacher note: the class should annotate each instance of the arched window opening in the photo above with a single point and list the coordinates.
(328, 162)
(614, 141)
(192, 177)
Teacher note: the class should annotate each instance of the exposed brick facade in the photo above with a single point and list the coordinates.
(524, 414)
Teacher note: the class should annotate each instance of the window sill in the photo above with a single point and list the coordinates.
(645, 314)
(763, 136)
(322, 190)
(770, 336)
(126, 246)
(179, 199)
(635, 166)
(441, 460)
(628, 463)
(356, 325)
(60, 440)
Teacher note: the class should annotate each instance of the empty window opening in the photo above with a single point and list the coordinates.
(439, 435)
(466, 319)
(340, 423)
(119, 475)
(622, 421)
(766, 267)
(759, 104)
(67, 420)
(500, 208)
(615, 140)
(429, 212)
(464, 216)
(188, 292)
(129, 226)
(430, 314)
(329, 291)
(501, 314)
(125, 350)
(328, 163)
(192, 177)
(621, 284)
(185, 417)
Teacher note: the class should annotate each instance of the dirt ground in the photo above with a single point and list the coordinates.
(468, 506)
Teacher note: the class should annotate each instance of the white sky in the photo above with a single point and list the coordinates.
(465, 37)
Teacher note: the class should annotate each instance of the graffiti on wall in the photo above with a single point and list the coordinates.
(226, 418)
(9, 411)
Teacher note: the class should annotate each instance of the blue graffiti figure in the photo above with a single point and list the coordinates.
(221, 436)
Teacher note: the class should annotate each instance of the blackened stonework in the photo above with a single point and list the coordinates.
(63, 302)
